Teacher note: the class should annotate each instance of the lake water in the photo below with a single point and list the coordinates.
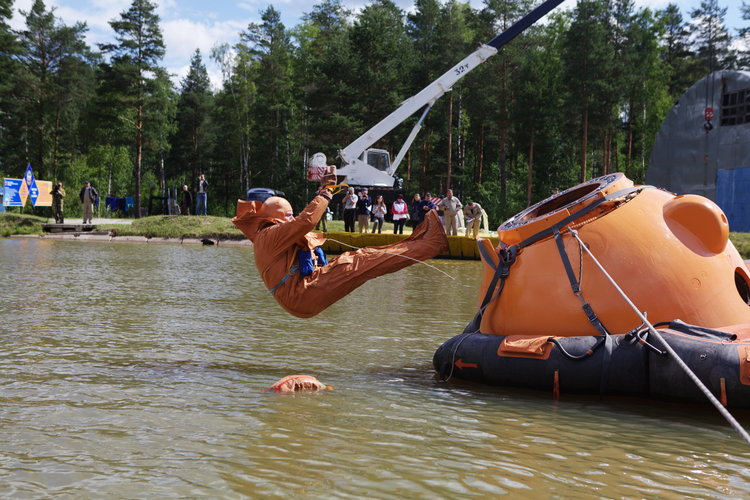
(137, 371)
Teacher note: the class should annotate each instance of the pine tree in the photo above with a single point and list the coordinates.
(588, 61)
(323, 52)
(381, 60)
(191, 140)
(10, 139)
(711, 39)
(504, 14)
(271, 51)
(232, 114)
(134, 63)
(676, 53)
(455, 42)
(539, 95)
(422, 28)
(57, 81)
(159, 119)
(644, 86)
(744, 37)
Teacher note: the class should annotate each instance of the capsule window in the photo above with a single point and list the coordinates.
(740, 281)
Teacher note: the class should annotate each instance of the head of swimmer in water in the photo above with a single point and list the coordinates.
(277, 207)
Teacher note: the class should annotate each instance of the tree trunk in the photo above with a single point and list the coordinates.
(461, 140)
(423, 163)
(56, 145)
(607, 152)
(617, 158)
(194, 152)
(481, 155)
(503, 133)
(629, 157)
(529, 175)
(408, 165)
(450, 143)
(138, 159)
(584, 142)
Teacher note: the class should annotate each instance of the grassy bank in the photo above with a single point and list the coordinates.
(742, 243)
(175, 226)
(160, 226)
(11, 224)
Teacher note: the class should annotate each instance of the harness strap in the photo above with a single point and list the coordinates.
(508, 257)
(575, 285)
(288, 275)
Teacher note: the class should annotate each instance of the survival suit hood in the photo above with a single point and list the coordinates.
(250, 218)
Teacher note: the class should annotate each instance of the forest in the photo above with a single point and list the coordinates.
(574, 97)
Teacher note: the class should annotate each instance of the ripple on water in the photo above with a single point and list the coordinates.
(137, 371)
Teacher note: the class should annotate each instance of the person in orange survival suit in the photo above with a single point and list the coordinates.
(284, 246)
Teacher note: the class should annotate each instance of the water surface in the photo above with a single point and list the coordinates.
(136, 371)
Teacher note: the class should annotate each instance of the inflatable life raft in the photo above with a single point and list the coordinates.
(556, 316)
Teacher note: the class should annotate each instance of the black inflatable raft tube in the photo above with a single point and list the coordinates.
(633, 364)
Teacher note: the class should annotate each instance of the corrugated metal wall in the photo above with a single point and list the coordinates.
(687, 159)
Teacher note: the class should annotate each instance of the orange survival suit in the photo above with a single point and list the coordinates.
(277, 242)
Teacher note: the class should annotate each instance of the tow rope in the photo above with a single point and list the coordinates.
(375, 249)
(724, 412)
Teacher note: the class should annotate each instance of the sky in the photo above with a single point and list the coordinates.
(200, 24)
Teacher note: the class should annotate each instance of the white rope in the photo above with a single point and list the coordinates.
(399, 255)
(724, 412)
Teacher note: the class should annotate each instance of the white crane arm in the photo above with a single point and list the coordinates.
(428, 95)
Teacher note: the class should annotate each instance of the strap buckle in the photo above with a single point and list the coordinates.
(288, 275)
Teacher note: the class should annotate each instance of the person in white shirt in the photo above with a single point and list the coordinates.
(400, 212)
(350, 210)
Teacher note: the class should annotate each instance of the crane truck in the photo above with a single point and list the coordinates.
(363, 166)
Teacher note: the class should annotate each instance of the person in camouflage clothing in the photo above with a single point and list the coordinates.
(58, 195)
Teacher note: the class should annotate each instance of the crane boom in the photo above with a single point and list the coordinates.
(353, 166)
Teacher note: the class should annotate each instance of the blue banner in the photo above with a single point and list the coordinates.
(31, 184)
(731, 195)
(12, 193)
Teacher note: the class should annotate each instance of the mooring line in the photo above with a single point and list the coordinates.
(724, 412)
(399, 255)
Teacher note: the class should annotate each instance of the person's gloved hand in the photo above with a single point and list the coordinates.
(329, 177)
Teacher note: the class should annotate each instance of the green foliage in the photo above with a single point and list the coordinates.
(192, 137)
(741, 241)
(588, 88)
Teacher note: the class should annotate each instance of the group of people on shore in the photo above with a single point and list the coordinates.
(90, 197)
(370, 215)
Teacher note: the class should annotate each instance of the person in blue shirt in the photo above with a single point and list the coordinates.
(201, 195)
(422, 208)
